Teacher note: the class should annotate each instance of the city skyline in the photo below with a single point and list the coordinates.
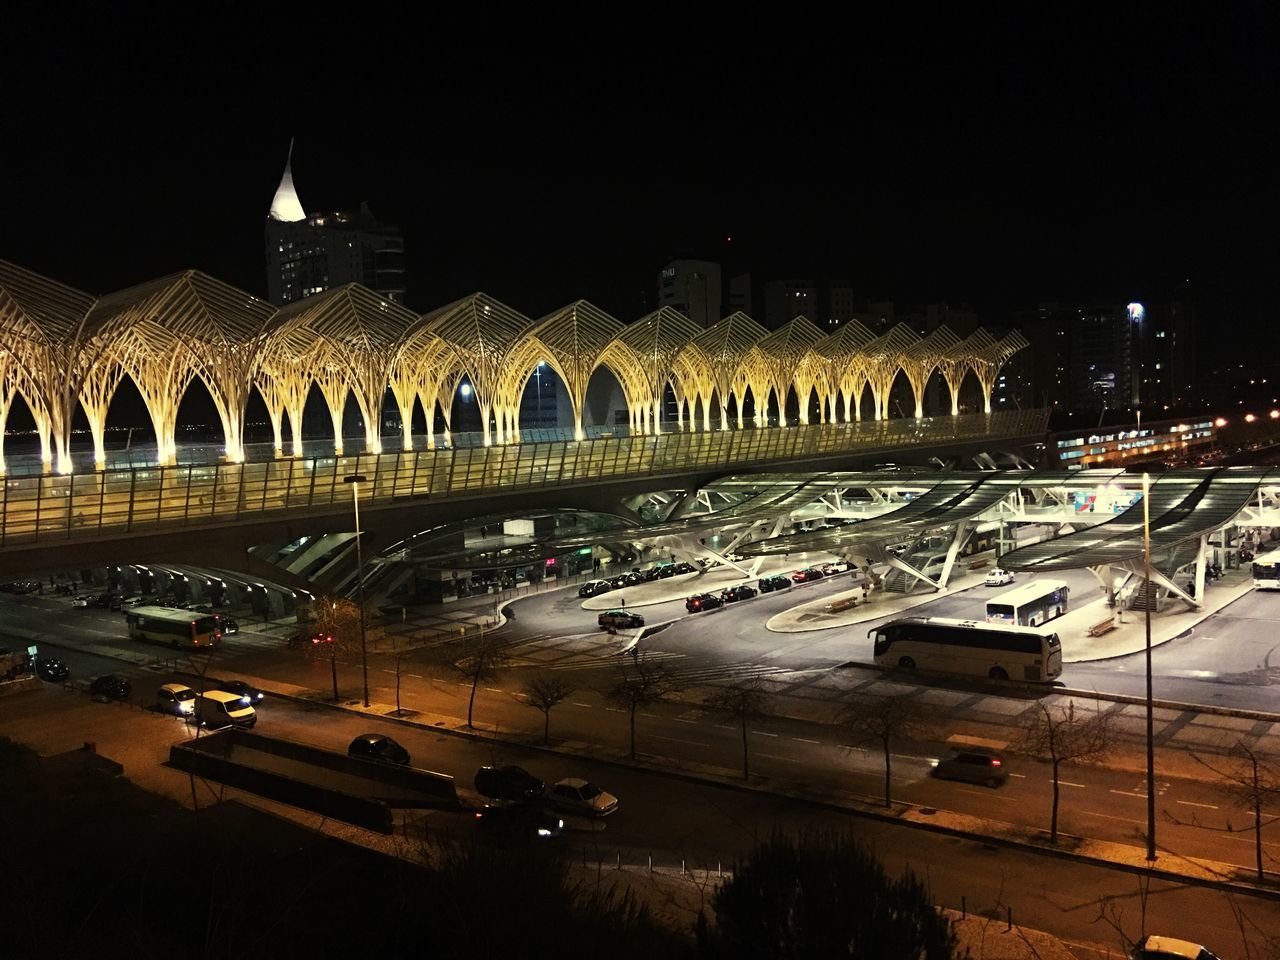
(1092, 167)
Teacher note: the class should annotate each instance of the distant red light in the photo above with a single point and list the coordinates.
(995, 763)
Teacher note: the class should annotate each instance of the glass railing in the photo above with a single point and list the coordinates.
(107, 503)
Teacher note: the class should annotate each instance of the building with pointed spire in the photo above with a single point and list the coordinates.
(308, 253)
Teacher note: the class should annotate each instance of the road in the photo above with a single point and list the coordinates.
(797, 752)
(675, 818)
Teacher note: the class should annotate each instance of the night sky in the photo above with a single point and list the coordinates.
(996, 163)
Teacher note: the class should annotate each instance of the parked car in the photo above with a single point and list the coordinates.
(508, 784)
(111, 686)
(835, 566)
(594, 587)
(807, 575)
(770, 584)
(665, 570)
(81, 601)
(309, 640)
(1153, 947)
(230, 626)
(220, 708)
(703, 601)
(176, 698)
(685, 568)
(574, 795)
(998, 578)
(521, 823)
(620, 618)
(740, 592)
(52, 669)
(972, 765)
(374, 746)
(248, 693)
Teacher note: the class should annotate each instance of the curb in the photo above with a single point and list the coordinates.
(1229, 886)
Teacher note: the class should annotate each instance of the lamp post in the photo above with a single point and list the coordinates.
(1146, 589)
(355, 480)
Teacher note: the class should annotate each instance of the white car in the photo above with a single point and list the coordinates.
(583, 797)
(998, 578)
(836, 566)
(176, 698)
(80, 602)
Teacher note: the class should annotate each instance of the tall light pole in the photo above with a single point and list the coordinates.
(1151, 743)
(355, 480)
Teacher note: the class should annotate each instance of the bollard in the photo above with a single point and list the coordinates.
(964, 914)
(682, 870)
(1010, 909)
(651, 863)
(619, 859)
(719, 869)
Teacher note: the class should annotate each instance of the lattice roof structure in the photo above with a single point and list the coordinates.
(60, 347)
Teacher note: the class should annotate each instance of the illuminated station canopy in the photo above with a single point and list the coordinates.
(61, 348)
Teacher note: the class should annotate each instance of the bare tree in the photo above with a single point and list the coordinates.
(883, 721)
(1063, 735)
(743, 703)
(336, 627)
(1257, 783)
(545, 692)
(481, 662)
(639, 684)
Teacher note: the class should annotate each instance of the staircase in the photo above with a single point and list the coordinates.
(1146, 596)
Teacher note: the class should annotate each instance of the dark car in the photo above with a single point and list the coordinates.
(230, 626)
(241, 689)
(508, 784)
(807, 575)
(703, 601)
(52, 669)
(769, 584)
(620, 618)
(740, 592)
(685, 568)
(112, 687)
(374, 746)
(666, 570)
(594, 587)
(309, 640)
(519, 823)
(618, 582)
(972, 765)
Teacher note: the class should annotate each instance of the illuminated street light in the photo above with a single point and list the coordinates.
(355, 480)
(1249, 418)
(1220, 422)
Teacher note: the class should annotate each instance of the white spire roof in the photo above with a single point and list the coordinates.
(285, 205)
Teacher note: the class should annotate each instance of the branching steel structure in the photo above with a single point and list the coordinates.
(60, 348)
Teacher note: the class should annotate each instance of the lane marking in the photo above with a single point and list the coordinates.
(575, 703)
(804, 740)
(1107, 816)
(761, 733)
(416, 676)
(696, 743)
(1020, 776)
(1128, 793)
(1068, 783)
(770, 756)
(679, 720)
(1205, 806)
(492, 690)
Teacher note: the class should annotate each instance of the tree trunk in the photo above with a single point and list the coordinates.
(397, 686)
(472, 702)
(1053, 817)
(888, 795)
(546, 726)
(1257, 817)
(633, 731)
(333, 668)
(746, 773)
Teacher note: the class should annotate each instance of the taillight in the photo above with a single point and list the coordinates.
(995, 763)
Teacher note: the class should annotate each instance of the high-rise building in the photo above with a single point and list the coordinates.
(311, 252)
(693, 288)
(784, 300)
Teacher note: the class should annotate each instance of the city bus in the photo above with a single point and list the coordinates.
(1029, 605)
(1266, 570)
(176, 628)
(968, 647)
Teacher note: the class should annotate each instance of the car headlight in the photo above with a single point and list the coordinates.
(544, 832)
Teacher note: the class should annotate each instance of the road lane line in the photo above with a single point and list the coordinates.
(416, 676)
(1129, 793)
(1068, 783)
(1107, 816)
(1205, 806)
(492, 690)
(385, 670)
(770, 756)
(804, 740)
(696, 743)
(761, 733)
(1020, 776)
(575, 703)
(681, 720)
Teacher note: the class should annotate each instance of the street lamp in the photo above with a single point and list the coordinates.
(1146, 590)
(355, 480)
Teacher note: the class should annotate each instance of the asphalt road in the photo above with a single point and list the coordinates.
(706, 825)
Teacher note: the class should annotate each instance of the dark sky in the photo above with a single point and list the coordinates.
(997, 163)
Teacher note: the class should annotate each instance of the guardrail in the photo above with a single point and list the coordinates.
(89, 505)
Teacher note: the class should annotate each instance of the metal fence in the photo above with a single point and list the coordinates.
(88, 505)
